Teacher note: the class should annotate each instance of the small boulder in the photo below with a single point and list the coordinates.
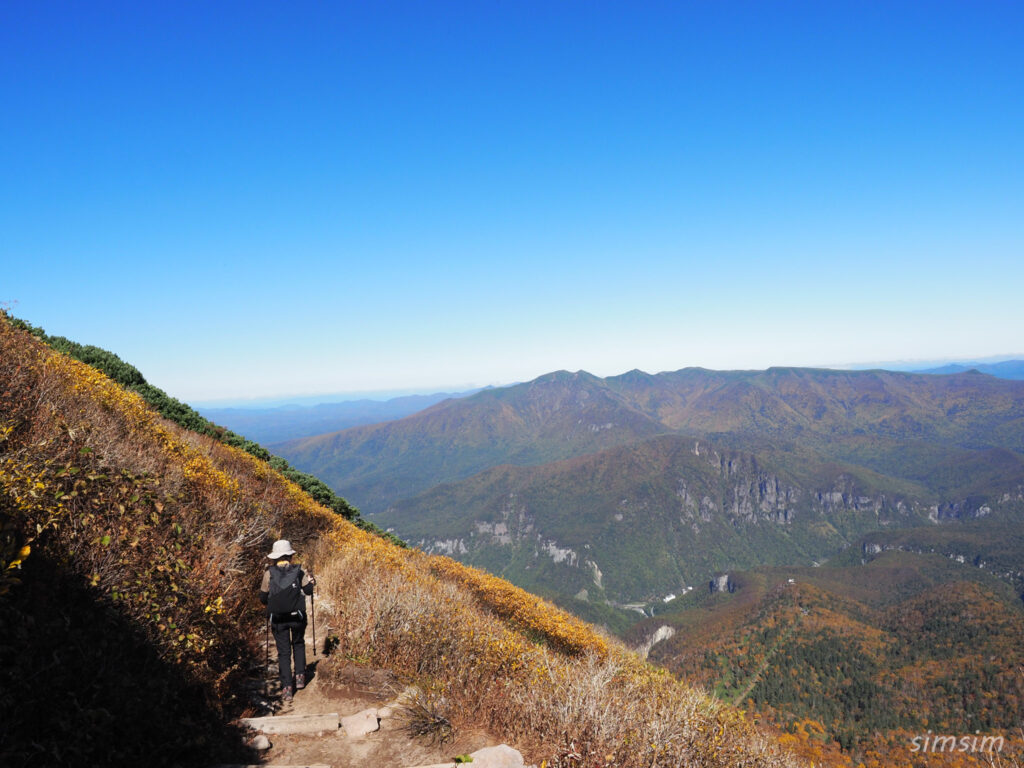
(501, 756)
(360, 724)
(261, 743)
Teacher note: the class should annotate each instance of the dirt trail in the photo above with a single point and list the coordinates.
(337, 685)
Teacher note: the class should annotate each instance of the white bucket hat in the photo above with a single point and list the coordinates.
(282, 548)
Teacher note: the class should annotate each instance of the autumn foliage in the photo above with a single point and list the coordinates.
(166, 530)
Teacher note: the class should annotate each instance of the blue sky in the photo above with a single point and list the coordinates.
(264, 198)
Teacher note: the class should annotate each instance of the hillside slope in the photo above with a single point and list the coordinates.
(128, 549)
(154, 538)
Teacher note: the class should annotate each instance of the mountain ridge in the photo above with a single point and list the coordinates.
(1006, 369)
(563, 414)
(527, 423)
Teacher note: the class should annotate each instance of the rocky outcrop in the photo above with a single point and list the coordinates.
(722, 583)
(752, 494)
(664, 632)
(559, 554)
(958, 510)
(361, 724)
(450, 547)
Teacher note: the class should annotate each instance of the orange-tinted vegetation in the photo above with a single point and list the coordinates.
(155, 538)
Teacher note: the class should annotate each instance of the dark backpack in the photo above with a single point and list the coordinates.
(286, 598)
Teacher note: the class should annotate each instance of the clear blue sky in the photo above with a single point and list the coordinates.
(260, 198)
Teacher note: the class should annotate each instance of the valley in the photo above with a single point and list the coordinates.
(626, 489)
(838, 551)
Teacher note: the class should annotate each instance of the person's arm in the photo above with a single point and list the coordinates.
(308, 583)
(265, 587)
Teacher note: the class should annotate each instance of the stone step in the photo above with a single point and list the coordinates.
(293, 723)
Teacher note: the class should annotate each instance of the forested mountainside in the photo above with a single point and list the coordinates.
(555, 417)
(130, 553)
(637, 486)
(901, 642)
(634, 523)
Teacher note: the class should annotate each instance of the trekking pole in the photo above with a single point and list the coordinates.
(312, 613)
(266, 680)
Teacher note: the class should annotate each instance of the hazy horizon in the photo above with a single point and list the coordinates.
(266, 198)
(286, 400)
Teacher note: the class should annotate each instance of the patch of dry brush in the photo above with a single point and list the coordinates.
(562, 692)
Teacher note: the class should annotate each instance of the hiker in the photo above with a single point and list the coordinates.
(282, 590)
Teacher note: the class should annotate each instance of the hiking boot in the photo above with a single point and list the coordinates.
(286, 693)
(300, 682)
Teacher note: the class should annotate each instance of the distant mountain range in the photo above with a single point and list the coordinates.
(288, 422)
(634, 486)
(1000, 366)
(1008, 369)
(306, 417)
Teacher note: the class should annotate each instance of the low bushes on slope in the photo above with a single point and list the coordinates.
(129, 554)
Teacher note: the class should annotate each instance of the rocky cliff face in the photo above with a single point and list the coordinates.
(515, 527)
(637, 523)
(995, 551)
(755, 494)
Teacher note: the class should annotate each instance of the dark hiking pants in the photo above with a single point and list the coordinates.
(290, 638)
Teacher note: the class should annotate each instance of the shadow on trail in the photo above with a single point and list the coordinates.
(81, 686)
